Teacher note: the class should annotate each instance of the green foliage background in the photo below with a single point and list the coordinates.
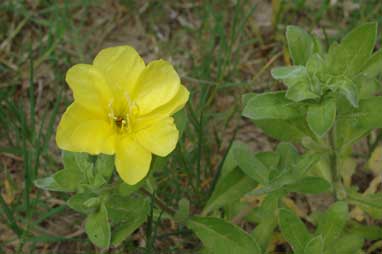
(222, 49)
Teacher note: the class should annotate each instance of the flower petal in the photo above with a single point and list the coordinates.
(89, 87)
(132, 160)
(160, 138)
(81, 130)
(121, 66)
(167, 110)
(156, 86)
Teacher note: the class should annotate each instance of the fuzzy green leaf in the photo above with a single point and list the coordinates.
(264, 230)
(222, 237)
(104, 166)
(321, 117)
(98, 228)
(352, 124)
(183, 212)
(310, 185)
(77, 202)
(359, 44)
(293, 130)
(68, 179)
(272, 105)
(370, 203)
(181, 120)
(49, 183)
(373, 66)
(288, 72)
(230, 162)
(347, 244)
(315, 246)
(229, 189)
(349, 57)
(251, 165)
(288, 155)
(134, 215)
(300, 43)
(76, 161)
(297, 79)
(332, 222)
(293, 230)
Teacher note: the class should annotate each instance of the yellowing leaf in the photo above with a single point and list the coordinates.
(375, 161)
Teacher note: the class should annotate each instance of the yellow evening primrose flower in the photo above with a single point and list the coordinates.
(123, 107)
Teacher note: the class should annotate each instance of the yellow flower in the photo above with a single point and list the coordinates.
(123, 107)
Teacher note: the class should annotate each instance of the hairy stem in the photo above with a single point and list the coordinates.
(335, 166)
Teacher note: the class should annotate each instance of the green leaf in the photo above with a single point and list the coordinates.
(315, 65)
(352, 124)
(77, 202)
(299, 90)
(104, 166)
(181, 121)
(368, 113)
(349, 89)
(48, 183)
(318, 76)
(264, 230)
(300, 43)
(331, 224)
(347, 244)
(76, 161)
(289, 175)
(272, 105)
(368, 87)
(126, 190)
(159, 164)
(222, 237)
(269, 159)
(229, 189)
(293, 230)
(369, 232)
(315, 246)
(68, 179)
(246, 97)
(359, 44)
(321, 117)
(230, 162)
(122, 209)
(305, 163)
(250, 165)
(310, 185)
(98, 228)
(370, 203)
(63, 180)
(183, 212)
(373, 66)
(288, 155)
(285, 130)
(288, 72)
(135, 215)
(318, 46)
(349, 57)
(298, 81)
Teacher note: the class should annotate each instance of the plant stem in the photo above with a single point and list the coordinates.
(160, 203)
(335, 166)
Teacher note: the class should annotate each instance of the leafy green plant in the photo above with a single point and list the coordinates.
(330, 103)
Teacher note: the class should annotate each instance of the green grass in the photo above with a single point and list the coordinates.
(220, 49)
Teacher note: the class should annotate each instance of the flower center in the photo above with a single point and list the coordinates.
(120, 122)
(122, 114)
